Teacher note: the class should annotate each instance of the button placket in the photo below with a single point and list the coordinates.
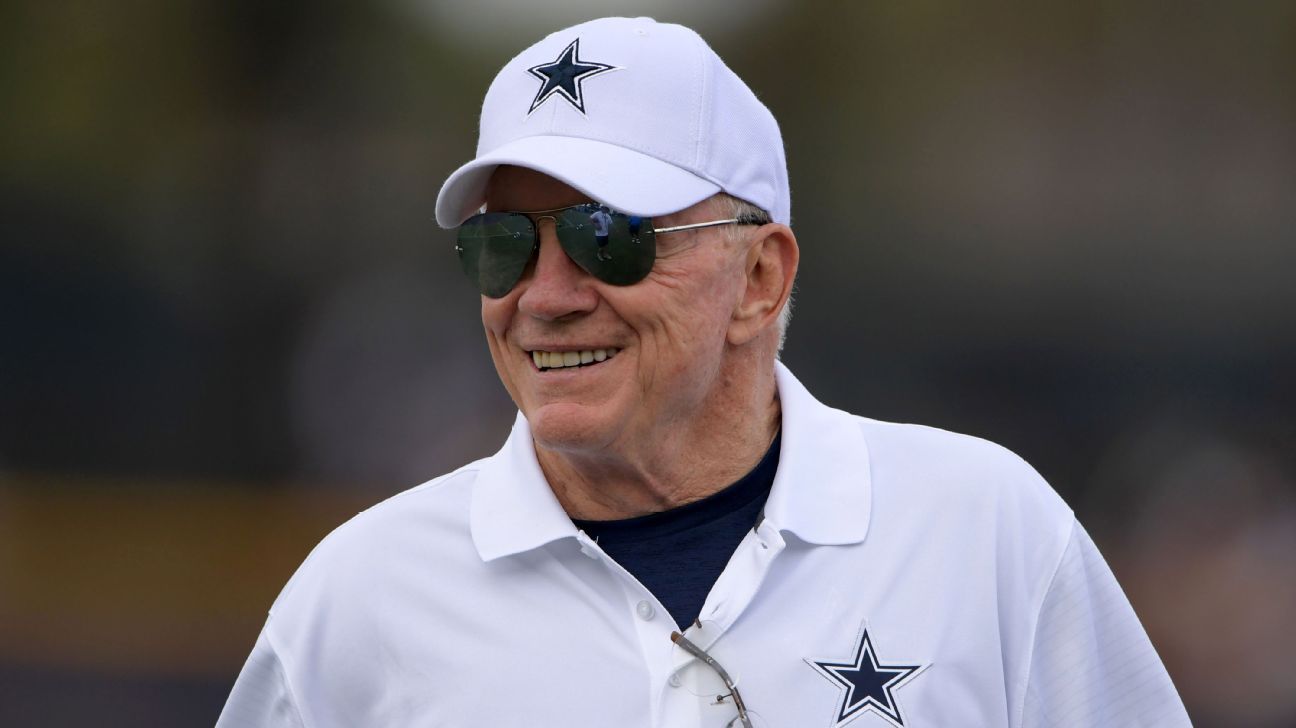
(741, 579)
(654, 640)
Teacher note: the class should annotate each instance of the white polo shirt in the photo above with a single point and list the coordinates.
(901, 576)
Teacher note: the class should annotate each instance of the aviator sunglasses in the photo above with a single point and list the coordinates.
(494, 248)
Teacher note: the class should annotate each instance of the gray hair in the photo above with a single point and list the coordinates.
(732, 207)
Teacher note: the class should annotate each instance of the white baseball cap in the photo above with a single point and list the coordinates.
(641, 116)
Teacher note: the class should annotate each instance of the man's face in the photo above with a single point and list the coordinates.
(668, 331)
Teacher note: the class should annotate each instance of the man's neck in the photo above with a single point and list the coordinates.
(679, 466)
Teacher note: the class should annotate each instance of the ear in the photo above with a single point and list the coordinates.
(771, 267)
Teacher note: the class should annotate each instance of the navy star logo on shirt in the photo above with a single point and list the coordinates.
(565, 76)
(867, 683)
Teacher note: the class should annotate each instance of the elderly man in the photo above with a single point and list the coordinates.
(677, 533)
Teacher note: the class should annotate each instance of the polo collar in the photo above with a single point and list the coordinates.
(513, 508)
(821, 492)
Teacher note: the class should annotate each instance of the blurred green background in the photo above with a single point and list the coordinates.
(228, 321)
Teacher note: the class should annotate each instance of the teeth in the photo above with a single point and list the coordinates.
(560, 359)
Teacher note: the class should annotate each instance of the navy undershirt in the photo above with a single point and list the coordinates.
(679, 554)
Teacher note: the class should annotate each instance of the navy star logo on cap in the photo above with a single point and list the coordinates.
(565, 76)
(866, 683)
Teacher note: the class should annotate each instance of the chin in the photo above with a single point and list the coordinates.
(571, 427)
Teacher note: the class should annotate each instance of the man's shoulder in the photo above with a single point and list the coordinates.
(427, 520)
(441, 499)
(968, 498)
(914, 443)
(922, 463)
(923, 471)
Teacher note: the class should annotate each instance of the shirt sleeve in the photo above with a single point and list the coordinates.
(1092, 664)
(262, 697)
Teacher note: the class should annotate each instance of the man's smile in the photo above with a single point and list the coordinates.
(547, 360)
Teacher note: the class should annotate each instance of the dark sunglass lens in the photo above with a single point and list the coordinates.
(614, 248)
(494, 249)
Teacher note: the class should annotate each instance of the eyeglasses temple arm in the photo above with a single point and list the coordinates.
(701, 654)
(712, 223)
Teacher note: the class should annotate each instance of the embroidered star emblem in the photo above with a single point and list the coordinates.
(866, 683)
(565, 76)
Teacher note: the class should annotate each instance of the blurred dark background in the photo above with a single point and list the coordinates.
(228, 321)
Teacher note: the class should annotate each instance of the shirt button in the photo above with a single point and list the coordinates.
(645, 610)
(674, 680)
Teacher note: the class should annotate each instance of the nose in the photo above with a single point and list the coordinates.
(556, 287)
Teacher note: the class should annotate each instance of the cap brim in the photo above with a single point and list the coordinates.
(623, 179)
